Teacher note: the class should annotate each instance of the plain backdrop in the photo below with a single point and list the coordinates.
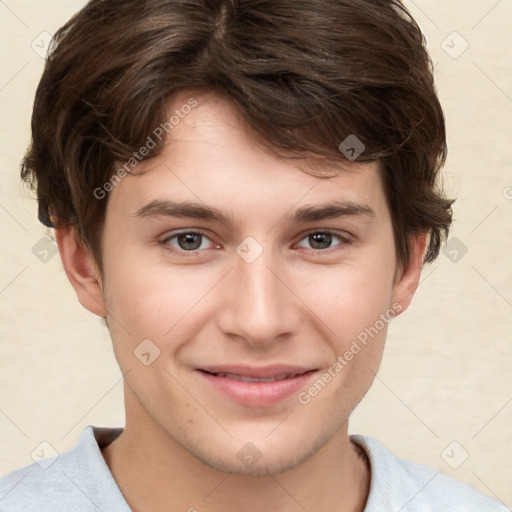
(443, 396)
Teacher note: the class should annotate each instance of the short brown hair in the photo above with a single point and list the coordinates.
(304, 73)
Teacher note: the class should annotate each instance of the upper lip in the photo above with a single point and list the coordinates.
(272, 370)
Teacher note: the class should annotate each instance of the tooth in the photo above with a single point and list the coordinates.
(245, 378)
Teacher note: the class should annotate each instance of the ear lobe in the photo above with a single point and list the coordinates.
(81, 269)
(406, 284)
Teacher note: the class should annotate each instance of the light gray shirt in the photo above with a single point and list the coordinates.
(80, 480)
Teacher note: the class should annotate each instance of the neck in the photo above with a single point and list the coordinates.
(156, 473)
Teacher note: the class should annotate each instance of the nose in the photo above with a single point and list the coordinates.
(258, 304)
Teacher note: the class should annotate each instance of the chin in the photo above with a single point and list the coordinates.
(267, 465)
(258, 457)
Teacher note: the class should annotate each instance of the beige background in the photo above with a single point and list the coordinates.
(446, 374)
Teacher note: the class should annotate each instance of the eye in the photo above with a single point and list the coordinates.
(321, 240)
(187, 241)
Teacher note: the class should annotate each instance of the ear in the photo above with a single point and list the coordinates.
(406, 281)
(81, 269)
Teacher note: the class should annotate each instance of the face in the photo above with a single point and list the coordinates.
(226, 267)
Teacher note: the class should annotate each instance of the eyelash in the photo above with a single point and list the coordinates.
(344, 240)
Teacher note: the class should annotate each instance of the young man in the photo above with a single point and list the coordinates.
(246, 192)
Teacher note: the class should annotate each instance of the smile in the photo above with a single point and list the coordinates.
(256, 387)
(246, 378)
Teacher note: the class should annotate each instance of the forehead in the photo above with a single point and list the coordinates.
(212, 157)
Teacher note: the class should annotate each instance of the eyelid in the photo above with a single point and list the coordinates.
(345, 239)
(196, 231)
(184, 231)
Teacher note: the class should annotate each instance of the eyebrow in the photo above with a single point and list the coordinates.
(193, 210)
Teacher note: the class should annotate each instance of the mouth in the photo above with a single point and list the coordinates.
(247, 378)
(256, 387)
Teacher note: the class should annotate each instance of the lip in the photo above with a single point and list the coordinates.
(257, 394)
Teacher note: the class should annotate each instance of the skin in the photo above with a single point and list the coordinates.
(210, 306)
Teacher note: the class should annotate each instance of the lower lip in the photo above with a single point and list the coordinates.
(257, 394)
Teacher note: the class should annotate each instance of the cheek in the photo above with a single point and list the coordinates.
(156, 301)
(351, 297)
(147, 306)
